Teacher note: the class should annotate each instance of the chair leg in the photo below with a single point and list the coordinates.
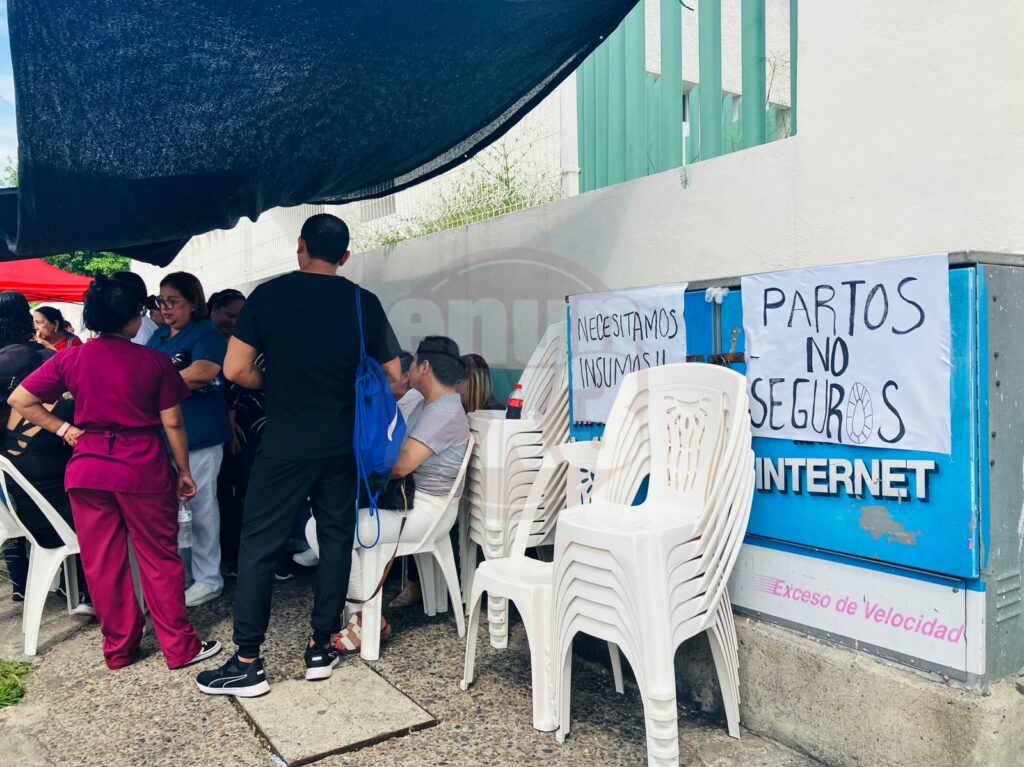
(497, 610)
(727, 668)
(662, 725)
(474, 624)
(538, 636)
(428, 586)
(71, 589)
(616, 659)
(372, 565)
(42, 567)
(563, 689)
(441, 586)
(467, 552)
(446, 562)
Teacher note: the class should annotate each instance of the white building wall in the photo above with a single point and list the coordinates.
(909, 142)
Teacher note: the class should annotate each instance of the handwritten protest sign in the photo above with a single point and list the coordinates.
(617, 332)
(856, 354)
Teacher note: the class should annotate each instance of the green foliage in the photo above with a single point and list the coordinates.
(501, 182)
(12, 677)
(9, 175)
(89, 264)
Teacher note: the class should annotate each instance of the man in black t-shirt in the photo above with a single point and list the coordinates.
(305, 324)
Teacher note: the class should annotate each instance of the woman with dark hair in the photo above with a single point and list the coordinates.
(120, 479)
(477, 393)
(52, 330)
(153, 311)
(225, 306)
(148, 327)
(197, 350)
(438, 435)
(40, 456)
(478, 389)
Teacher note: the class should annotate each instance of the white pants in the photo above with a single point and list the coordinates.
(425, 511)
(205, 465)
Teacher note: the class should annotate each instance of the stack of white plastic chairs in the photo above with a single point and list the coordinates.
(644, 578)
(528, 582)
(505, 464)
(649, 577)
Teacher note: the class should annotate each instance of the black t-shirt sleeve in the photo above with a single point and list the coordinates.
(252, 321)
(381, 342)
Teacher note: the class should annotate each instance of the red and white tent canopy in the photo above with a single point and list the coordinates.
(38, 281)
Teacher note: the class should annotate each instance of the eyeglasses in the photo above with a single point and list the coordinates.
(169, 303)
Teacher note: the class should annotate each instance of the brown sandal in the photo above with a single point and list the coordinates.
(350, 638)
(406, 598)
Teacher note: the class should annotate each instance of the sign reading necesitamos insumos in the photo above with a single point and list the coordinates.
(858, 355)
(615, 333)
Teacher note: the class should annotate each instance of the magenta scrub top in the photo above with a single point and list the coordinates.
(119, 390)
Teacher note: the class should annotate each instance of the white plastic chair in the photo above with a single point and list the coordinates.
(506, 463)
(647, 578)
(433, 548)
(43, 563)
(528, 583)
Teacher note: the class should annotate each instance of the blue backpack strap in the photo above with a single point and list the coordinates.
(359, 317)
(362, 476)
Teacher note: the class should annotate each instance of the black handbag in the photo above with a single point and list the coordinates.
(396, 493)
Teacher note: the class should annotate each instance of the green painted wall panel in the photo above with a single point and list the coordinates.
(631, 121)
(710, 59)
(670, 106)
(752, 104)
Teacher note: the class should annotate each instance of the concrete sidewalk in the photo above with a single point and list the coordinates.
(76, 712)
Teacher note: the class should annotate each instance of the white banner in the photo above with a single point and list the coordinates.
(856, 354)
(615, 333)
(914, 617)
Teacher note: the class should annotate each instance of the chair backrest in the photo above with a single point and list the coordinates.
(675, 424)
(624, 458)
(457, 486)
(545, 500)
(63, 529)
(546, 373)
(692, 412)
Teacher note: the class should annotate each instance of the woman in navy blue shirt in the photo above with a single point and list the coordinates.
(197, 350)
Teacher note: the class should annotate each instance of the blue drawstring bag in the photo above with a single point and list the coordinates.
(380, 428)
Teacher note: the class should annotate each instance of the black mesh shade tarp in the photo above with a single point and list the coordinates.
(141, 124)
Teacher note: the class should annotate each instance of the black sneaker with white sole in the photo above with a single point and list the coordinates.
(320, 662)
(207, 649)
(243, 680)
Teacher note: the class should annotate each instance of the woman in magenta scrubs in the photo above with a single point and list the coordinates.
(120, 479)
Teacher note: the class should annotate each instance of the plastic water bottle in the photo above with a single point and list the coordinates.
(514, 411)
(184, 526)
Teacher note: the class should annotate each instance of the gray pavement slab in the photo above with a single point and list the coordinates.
(306, 721)
(76, 712)
(56, 626)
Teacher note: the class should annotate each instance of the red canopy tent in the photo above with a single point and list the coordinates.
(38, 281)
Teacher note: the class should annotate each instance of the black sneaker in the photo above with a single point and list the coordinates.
(208, 648)
(18, 596)
(284, 574)
(320, 662)
(243, 680)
